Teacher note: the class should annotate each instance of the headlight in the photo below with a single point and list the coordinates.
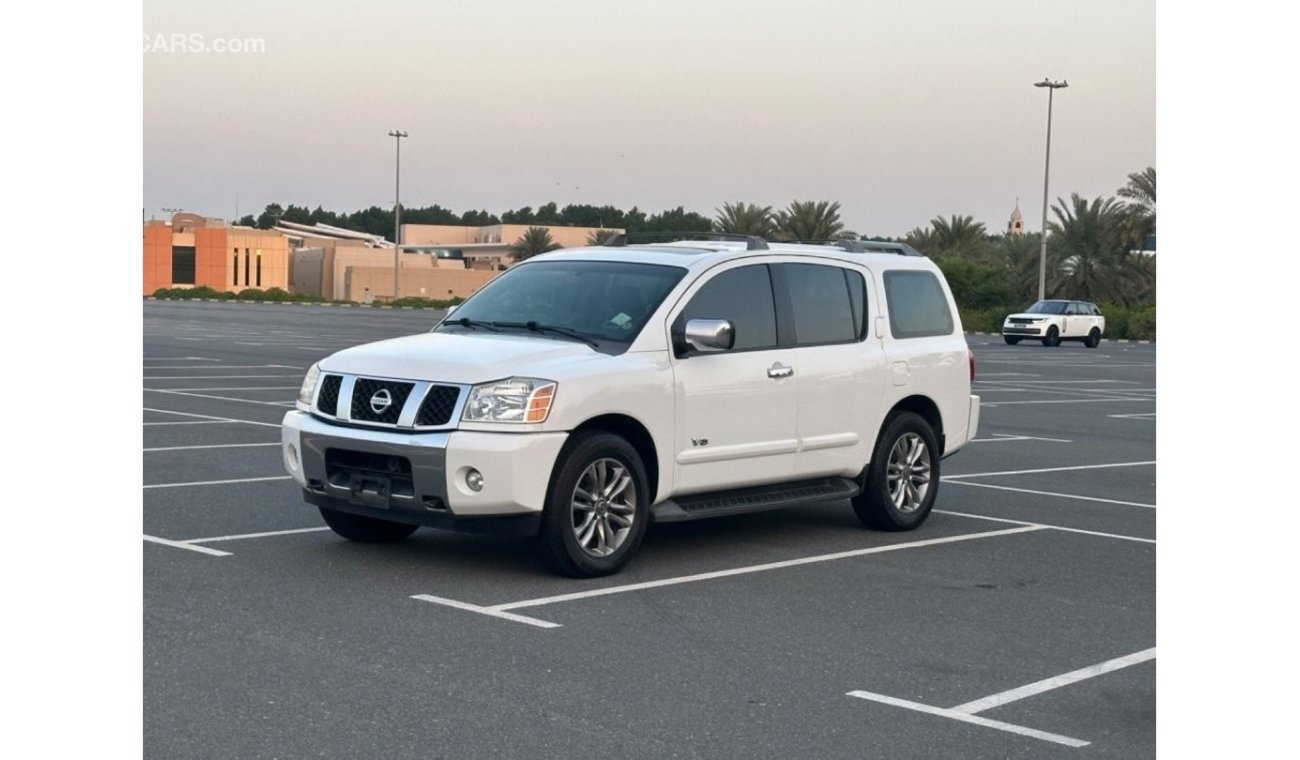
(308, 390)
(516, 399)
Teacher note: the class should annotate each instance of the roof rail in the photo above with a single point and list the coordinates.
(863, 246)
(753, 242)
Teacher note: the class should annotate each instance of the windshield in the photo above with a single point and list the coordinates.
(601, 300)
(1047, 307)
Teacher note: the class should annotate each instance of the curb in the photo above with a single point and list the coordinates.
(294, 303)
(1129, 342)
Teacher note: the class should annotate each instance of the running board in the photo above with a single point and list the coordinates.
(743, 500)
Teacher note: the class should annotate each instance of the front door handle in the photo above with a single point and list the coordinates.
(776, 371)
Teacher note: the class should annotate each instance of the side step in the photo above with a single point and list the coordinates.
(743, 500)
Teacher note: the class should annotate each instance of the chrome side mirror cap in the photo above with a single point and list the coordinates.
(710, 335)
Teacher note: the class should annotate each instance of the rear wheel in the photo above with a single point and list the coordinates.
(366, 530)
(903, 477)
(1094, 338)
(1010, 340)
(1053, 337)
(597, 507)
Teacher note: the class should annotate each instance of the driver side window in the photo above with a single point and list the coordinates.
(743, 296)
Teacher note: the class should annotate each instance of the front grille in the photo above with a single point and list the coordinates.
(328, 400)
(1020, 321)
(438, 405)
(366, 390)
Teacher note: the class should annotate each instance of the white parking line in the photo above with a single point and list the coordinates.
(218, 377)
(1055, 682)
(491, 612)
(183, 545)
(179, 359)
(218, 398)
(1047, 469)
(224, 366)
(238, 388)
(1067, 401)
(1051, 493)
(759, 568)
(1141, 416)
(212, 446)
(194, 422)
(266, 534)
(966, 718)
(998, 437)
(210, 417)
(1046, 525)
(218, 482)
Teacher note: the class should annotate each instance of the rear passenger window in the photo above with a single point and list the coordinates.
(917, 305)
(823, 303)
(744, 296)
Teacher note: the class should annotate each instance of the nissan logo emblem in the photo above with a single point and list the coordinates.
(381, 400)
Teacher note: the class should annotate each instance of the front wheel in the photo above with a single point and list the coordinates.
(903, 477)
(1053, 337)
(366, 530)
(1010, 340)
(1094, 338)
(597, 506)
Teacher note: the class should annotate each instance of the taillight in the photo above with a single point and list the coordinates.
(971, 356)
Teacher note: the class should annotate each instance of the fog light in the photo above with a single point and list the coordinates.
(291, 457)
(474, 479)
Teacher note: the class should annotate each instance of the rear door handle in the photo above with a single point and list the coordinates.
(776, 371)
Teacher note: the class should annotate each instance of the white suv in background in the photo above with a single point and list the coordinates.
(586, 393)
(1055, 321)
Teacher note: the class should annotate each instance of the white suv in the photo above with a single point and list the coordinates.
(588, 392)
(1055, 321)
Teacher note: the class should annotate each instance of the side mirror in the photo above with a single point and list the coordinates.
(709, 335)
(446, 315)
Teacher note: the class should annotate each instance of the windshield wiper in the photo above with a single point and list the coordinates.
(533, 326)
(467, 322)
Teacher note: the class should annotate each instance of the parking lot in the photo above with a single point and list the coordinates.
(1019, 621)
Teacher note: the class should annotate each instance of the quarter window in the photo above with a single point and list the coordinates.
(917, 305)
(743, 296)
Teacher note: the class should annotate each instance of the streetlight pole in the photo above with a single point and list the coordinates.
(397, 210)
(1052, 87)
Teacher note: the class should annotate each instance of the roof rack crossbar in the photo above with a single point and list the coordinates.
(752, 242)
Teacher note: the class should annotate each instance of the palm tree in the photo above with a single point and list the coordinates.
(959, 236)
(746, 219)
(923, 240)
(1088, 241)
(811, 220)
(1139, 207)
(534, 241)
(598, 237)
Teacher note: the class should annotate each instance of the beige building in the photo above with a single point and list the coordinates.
(193, 250)
(341, 272)
(489, 247)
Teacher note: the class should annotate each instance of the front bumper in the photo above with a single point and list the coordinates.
(1018, 330)
(363, 471)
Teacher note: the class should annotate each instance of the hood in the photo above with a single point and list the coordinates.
(466, 358)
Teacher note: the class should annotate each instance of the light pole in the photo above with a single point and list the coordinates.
(397, 210)
(1052, 87)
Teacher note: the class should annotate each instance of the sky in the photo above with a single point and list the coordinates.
(900, 111)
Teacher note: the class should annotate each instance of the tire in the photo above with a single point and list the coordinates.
(1053, 338)
(1010, 340)
(878, 506)
(365, 530)
(1094, 338)
(585, 535)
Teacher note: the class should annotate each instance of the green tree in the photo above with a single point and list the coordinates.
(960, 237)
(534, 241)
(1089, 242)
(1139, 196)
(811, 220)
(746, 219)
